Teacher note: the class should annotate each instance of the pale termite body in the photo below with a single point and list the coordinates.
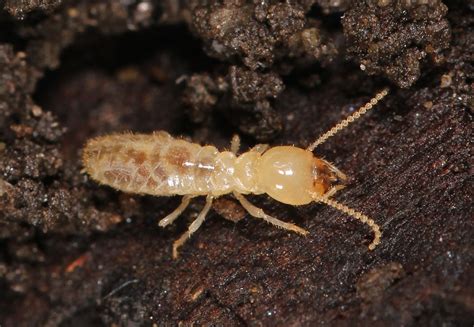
(161, 165)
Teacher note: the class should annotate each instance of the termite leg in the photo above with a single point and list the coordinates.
(333, 190)
(259, 213)
(260, 148)
(235, 144)
(178, 211)
(193, 227)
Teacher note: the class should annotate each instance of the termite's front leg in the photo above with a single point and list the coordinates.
(333, 190)
(259, 213)
(193, 227)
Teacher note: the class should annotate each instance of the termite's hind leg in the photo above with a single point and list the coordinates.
(235, 144)
(259, 213)
(175, 214)
(193, 227)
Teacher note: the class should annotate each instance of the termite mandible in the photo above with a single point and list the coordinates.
(161, 165)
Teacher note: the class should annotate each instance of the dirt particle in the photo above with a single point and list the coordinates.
(383, 3)
(428, 104)
(21, 130)
(446, 80)
(5, 187)
(36, 111)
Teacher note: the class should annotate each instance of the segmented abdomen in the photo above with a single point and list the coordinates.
(156, 164)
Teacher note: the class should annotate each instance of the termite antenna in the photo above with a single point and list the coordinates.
(343, 124)
(354, 214)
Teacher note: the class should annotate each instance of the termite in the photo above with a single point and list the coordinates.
(161, 165)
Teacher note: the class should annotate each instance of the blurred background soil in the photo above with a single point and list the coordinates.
(73, 253)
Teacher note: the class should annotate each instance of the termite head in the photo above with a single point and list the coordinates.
(294, 176)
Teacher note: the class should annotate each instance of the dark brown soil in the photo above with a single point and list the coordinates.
(73, 253)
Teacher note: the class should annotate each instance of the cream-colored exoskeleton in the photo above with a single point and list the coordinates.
(161, 165)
